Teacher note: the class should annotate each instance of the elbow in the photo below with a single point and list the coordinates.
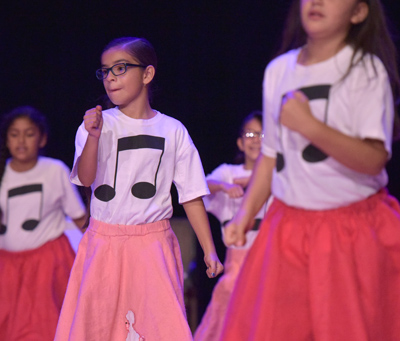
(375, 168)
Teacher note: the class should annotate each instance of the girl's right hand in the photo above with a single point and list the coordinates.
(93, 121)
(233, 190)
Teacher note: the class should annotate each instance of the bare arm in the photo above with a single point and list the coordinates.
(233, 190)
(87, 162)
(362, 155)
(197, 216)
(258, 191)
(80, 222)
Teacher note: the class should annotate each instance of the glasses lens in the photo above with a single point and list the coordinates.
(118, 69)
(101, 73)
(253, 135)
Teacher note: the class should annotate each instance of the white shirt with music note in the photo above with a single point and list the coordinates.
(359, 104)
(137, 163)
(35, 204)
(222, 206)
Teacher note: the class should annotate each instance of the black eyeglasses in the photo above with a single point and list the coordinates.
(117, 70)
(252, 135)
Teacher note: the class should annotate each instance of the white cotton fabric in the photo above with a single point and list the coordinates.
(222, 206)
(57, 199)
(180, 164)
(359, 105)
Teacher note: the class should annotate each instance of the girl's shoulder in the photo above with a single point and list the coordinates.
(283, 59)
(48, 163)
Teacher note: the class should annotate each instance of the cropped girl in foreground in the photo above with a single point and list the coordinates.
(128, 268)
(326, 262)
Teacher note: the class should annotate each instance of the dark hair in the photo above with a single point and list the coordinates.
(34, 115)
(140, 49)
(371, 36)
(254, 115)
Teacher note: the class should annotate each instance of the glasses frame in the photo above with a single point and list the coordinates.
(252, 135)
(99, 72)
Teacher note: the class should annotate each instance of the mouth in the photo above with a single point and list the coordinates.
(315, 15)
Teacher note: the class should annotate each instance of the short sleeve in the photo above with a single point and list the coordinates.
(372, 103)
(189, 177)
(72, 203)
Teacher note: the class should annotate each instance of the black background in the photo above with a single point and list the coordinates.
(212, 56)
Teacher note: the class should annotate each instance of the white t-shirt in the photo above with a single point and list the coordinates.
(221, 205)
(360, 105)
(35, 204)
(138, 160)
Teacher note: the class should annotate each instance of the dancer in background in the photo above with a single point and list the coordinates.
(326, 262)
(35, 255)
(227, 184)
(129, 258)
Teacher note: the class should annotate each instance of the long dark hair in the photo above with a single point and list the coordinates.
(257, 115)
(372, 36)
(34, 115)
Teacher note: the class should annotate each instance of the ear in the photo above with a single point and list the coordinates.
(360, 13)
(43, 141)
(148, 74)
(239, 143)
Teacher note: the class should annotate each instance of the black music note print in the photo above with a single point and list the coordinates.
(310, 153)
(141, 190)
(29, 224)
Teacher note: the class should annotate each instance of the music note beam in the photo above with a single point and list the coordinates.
(29, 224)
(141, 190)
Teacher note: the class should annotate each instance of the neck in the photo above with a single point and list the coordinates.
(138, 111)
(18, 166)
(249, 164)
(317, 51)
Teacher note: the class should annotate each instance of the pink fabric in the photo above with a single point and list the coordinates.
(321, 275)
(32, 289)
(212, 322)
(126, 283)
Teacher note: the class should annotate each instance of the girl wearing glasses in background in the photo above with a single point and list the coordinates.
(129, 262)
(227, 184)
(35, 255)
(326, 262)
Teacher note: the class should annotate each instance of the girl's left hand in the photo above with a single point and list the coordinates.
(295, 112)
(214, 266)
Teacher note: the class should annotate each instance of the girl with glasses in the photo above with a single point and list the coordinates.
(35, 255)
(325, 265)
(227, 184)
(129, 258)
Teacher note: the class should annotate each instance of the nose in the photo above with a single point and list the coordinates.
(110, 76)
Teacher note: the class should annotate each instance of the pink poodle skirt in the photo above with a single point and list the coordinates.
(330, 275)
(212, 322)
(32, 290)
(126, 284)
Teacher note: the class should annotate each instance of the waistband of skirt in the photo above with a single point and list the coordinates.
(107, 229)
(32, 252)
(367, 204)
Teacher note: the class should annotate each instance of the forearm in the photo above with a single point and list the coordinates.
(258, 190)
(87, 161)
(215, 186)
(198, 219)
(364, 156)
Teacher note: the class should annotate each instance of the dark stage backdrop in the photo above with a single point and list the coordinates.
(212, 55)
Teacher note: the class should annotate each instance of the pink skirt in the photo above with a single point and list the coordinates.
(32, 290)
(321, 275)
(212, 322)
(126, 284)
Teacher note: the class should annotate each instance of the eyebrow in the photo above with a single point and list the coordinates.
(116, 62)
